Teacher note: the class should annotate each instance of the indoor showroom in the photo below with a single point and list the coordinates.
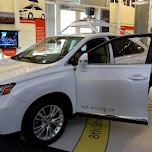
(75, 75)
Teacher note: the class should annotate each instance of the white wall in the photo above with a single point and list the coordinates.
(127, 14)
(10, 6)
(7, 6)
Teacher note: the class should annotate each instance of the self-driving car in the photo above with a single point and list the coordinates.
(98, 74)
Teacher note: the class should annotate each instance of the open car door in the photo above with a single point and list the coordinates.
(114, 91)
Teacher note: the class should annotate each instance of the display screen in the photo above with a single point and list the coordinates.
(8, 39)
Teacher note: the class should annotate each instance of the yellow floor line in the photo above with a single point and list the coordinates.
(94, 137)
(149, 107)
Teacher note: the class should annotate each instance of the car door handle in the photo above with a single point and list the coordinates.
(137, 77)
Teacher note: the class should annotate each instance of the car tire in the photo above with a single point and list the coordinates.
(43, 17)
(30, 16)
(45, 122)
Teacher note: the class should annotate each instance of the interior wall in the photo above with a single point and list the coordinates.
(7, 6)
(10, 6)
(127, 15)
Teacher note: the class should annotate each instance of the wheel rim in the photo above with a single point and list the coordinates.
(30, 16)
(43, 16)
(48, 122)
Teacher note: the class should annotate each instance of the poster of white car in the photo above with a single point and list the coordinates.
(32, 11)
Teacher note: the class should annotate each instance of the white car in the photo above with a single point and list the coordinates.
(32, 11)
(73, 74)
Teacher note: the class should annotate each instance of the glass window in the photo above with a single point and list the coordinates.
(38, 8)
(67, 17)
(28, 7)
(73, 43)
(95, 55)
(49, 50)
(125, 47)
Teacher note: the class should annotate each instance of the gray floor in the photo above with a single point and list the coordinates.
(126, 137)
(9, 144)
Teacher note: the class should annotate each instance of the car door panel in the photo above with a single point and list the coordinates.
(115, 90)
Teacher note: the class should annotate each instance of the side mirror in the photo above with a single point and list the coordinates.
(83, 60)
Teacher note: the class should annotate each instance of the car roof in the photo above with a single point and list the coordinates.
(89, 35)
(135, 40)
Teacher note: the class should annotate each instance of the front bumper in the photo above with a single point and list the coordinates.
(11, 114)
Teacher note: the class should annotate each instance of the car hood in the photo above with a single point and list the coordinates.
(10, 69)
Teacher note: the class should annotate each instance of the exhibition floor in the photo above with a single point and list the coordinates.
(88, 135)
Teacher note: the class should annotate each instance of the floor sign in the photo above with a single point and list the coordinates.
(98, 135)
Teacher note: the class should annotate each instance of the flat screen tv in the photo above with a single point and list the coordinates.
(8, 39)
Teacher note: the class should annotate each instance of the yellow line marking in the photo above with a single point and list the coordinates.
(149, 107)
(94, 137)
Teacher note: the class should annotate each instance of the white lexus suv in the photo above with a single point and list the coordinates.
(93, 74)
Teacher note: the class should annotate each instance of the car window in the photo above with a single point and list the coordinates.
(48, 50)
(83, 49)
(38, 8)
(100, 55)
(97, 55)
(73, 43)
(125, 47)
(28, 7)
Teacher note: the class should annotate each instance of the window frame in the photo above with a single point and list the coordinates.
(74, 55)
(125, 54)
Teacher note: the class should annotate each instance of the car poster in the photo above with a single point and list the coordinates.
(125, 2)
(33, 12)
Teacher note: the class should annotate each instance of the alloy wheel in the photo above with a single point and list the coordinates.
(48, 122)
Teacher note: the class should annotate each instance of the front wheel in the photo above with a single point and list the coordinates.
(45, 123)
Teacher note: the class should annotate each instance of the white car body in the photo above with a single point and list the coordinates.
(35, 80)
(111, 90)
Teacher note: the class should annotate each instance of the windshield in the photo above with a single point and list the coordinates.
(49, 50)
(28, 7)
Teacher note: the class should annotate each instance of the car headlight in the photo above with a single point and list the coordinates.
(6, 89)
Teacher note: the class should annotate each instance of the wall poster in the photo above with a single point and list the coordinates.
(32, 12)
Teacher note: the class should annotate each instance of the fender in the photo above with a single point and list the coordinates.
(33, 88)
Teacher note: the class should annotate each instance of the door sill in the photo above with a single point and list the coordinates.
(114, 118)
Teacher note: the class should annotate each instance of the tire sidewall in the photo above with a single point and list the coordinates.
(27, 125)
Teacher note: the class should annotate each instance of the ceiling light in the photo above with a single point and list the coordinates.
(140, 2)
